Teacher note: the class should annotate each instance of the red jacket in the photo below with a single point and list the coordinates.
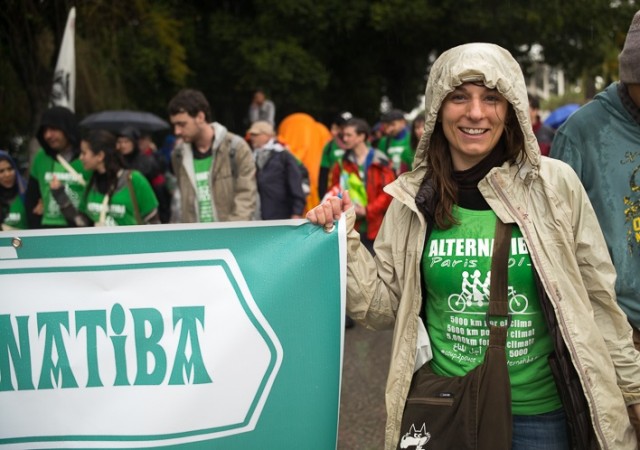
(378, 175)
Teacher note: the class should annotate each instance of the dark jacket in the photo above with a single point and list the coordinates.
(280, 185)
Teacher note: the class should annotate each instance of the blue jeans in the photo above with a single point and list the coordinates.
(541, 432)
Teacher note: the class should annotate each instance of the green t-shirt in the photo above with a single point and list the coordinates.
(398, 149)
(202, 168)
(16, 217)
(43, 169)
(120, 210)
(457, 267)
(331, 154)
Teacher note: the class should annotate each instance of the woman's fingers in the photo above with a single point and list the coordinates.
(330, 209)
(326, 212)
(333, 208)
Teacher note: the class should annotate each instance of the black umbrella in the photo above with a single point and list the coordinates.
(116, 120)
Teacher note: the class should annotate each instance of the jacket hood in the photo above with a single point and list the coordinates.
(220, 133)
(495, 68)
(272, 145)
(62, 119)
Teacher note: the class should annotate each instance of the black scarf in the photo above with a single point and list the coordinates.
(469, 195)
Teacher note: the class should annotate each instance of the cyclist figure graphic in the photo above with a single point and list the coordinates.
(477, 291)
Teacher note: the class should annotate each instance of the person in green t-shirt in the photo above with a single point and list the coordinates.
(332, 151)
(60, 138)
(396, 143)
(12, 186)
(573, 371)
(114, 196)
(214, 168)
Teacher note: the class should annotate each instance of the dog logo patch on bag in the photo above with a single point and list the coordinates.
(415, 439)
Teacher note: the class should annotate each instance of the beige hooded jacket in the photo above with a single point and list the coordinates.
(546, 200)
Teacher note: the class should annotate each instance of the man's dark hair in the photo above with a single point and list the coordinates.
(190, 101)
(533, 101)
(361, 126)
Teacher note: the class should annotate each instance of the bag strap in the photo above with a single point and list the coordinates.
(134, 199)
(498, 302)
(104, 208)
(69, 168)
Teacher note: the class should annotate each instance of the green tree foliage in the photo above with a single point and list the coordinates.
(314, 56)
(126, 54)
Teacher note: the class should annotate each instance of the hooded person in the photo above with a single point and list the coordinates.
(601, 141)
(59, 138)
(572, 367)
(12, 188)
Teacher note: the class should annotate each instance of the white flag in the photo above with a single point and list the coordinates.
(64, 78)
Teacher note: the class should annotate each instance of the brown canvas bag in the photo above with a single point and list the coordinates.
(471, 411)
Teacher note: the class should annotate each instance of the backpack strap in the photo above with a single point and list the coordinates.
(233, 147)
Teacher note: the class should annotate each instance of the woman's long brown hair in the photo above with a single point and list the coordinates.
(440, 166)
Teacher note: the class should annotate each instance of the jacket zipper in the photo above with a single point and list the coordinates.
(420, 246)
(534, 254)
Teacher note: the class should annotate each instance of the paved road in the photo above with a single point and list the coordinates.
(362, 413)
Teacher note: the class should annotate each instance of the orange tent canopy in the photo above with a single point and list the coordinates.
(306, 138)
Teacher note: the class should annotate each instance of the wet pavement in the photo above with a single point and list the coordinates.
(365, 367)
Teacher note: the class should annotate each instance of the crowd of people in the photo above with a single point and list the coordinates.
(99, 177)
(421, 201)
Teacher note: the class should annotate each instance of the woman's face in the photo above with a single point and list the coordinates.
(473, 119)
(7, 174)
(91, 160)
(124, 145)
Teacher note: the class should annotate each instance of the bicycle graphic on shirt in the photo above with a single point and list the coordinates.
(476, 291)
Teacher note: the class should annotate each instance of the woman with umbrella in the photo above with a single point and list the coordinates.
(12, 187)
(114, 196)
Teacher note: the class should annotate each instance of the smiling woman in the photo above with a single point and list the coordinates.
(473, 119)
(478, 168)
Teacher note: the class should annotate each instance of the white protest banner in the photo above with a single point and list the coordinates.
(176, 336)
(63, 92)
